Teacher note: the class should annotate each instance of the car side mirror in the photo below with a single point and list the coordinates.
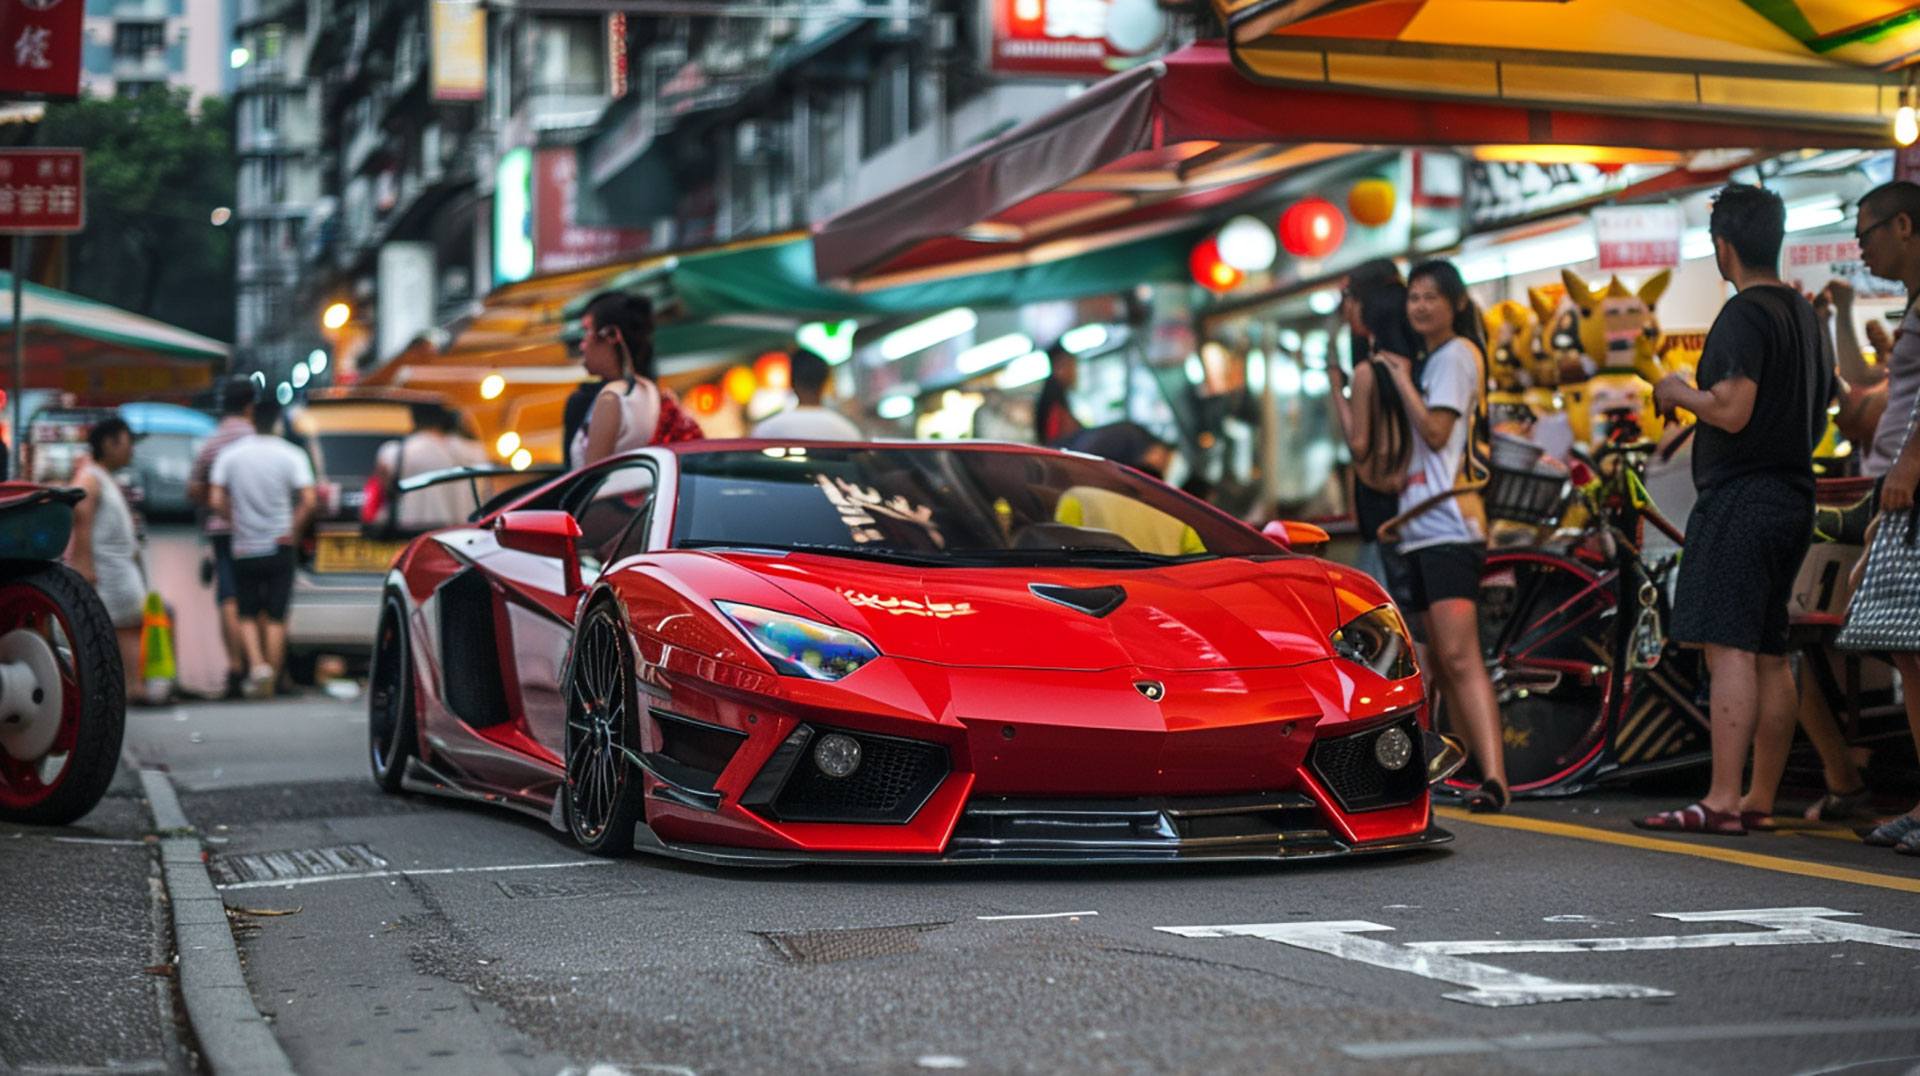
(543, 534)
(1300, 537)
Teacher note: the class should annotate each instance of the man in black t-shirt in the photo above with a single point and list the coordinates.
(1762, 400)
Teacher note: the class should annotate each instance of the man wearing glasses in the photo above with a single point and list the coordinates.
(1888, 229)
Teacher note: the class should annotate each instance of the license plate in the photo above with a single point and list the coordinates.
(352, 553)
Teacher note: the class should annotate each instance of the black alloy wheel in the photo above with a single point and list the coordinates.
(392, 738)
(602, 793)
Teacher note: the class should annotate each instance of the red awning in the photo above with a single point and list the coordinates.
(1152, 148)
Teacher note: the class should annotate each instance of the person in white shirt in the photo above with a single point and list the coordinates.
(265, 486)
(435, 444)
(104, 547)
(810, 420)
(1441, 526)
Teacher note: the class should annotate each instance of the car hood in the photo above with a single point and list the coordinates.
(1220, 614)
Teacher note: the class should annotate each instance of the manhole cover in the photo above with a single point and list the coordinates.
(859, 943)
(295, 863)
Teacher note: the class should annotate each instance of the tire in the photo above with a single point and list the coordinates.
(1546, 629)
(67, 778)
(602, 796)
(392, 727)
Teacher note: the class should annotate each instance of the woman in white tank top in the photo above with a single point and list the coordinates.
(104, 548)
(618, 346)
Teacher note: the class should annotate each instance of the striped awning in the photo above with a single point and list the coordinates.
(1832, 63)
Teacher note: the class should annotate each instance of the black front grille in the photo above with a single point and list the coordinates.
(1345, 764)
(894, 779)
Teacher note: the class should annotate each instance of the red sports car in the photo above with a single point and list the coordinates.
(755, 652)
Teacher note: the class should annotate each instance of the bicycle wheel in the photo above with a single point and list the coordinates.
(1546, 625)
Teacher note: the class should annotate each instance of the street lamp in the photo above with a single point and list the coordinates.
(221, 215)
(336, 316)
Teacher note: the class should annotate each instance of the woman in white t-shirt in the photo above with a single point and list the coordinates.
(1442, 527)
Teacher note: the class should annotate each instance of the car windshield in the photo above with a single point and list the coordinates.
(947, 506)
(348, 457)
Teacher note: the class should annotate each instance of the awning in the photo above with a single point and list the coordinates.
(99, 351)
(1829, 64)
(1171, 138)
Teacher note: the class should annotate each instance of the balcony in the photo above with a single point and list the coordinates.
(144, 67)
(141, 10)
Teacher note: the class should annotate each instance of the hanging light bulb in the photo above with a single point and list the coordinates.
(1906, 126)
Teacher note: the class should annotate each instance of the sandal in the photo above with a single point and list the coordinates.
(1697, 818)
(1838, 806)
(1891, 834)
(1490, 798)
(1758, 821)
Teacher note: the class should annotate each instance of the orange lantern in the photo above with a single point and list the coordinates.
(772, 371)
(739, 384)
(1210, 272)
(705, 399)
(1371, 201)
(1312, 228)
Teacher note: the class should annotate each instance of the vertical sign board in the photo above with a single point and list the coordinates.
(560, 243)
(42, 192)
(1082, 39)
(459, 50)
(40, 47)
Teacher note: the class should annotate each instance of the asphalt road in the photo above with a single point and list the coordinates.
(405, 934)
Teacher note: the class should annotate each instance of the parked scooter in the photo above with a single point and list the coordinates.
(62, 688)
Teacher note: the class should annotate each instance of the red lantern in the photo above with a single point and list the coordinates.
(773, 371)
(1312, 228)
(1210, 272)
(705, 399)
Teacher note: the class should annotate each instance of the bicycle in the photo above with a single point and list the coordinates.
(1573, 629)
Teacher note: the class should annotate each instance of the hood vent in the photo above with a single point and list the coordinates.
(1093, 601)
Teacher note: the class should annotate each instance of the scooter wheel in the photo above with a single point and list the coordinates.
(63, 696)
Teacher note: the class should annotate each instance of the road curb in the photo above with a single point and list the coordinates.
(234, 1037)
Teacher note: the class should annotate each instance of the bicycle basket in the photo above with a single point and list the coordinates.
(1525, 496)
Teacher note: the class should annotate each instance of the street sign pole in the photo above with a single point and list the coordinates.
(19, 396)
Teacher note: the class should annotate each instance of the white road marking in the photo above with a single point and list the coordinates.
(1496, 986)
(271, 883)
(1036, 915)
(1644, 1036)
(941, 1061)
(1490, 986)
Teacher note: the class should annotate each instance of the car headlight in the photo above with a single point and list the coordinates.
(1377, 640)
(800, 647)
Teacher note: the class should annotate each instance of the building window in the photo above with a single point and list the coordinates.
(569, 59)
(137, 87)
(826, 138)
(138, 40)
(880, 107)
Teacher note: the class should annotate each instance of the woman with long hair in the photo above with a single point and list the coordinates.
(629, 410)
(1442, 527)
(1367, 408)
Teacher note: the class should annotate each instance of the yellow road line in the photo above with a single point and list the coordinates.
(1824, 871)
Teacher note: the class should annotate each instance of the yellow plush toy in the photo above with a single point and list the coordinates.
(1510, 347)
(1620, 338)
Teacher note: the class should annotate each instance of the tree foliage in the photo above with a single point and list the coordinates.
(156, 171)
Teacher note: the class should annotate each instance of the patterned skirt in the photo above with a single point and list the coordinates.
(1885, 615)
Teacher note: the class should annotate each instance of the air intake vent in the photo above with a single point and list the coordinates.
(1093, 601)
(1350, 771)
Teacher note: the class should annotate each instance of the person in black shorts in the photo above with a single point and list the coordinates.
(1761, 398)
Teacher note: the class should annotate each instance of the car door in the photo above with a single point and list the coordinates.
(540, 609)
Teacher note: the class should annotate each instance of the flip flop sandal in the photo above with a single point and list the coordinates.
(1910, 846)
(1892, 833)
(1839, 806)
(1758, 821)
(1696, 818)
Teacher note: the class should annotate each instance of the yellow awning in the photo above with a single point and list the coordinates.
(1835, 62)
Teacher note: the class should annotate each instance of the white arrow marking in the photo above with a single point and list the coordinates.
(1814, 921)
(1620, 945)
(1490, 986)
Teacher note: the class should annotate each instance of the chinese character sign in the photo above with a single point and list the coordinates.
(1809, 262)
(40, 47)
(1638, 236)
(1087, 39)
(42, 191)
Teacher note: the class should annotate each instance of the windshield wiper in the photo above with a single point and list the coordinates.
(866, 552)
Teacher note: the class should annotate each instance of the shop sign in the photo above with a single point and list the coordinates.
(1500, 191)
(1638, 237)
(560, 244)
(42, 191)
(1084, 39)
(459, 50)
(40, 47)
(513, 217)
(1810, 262)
